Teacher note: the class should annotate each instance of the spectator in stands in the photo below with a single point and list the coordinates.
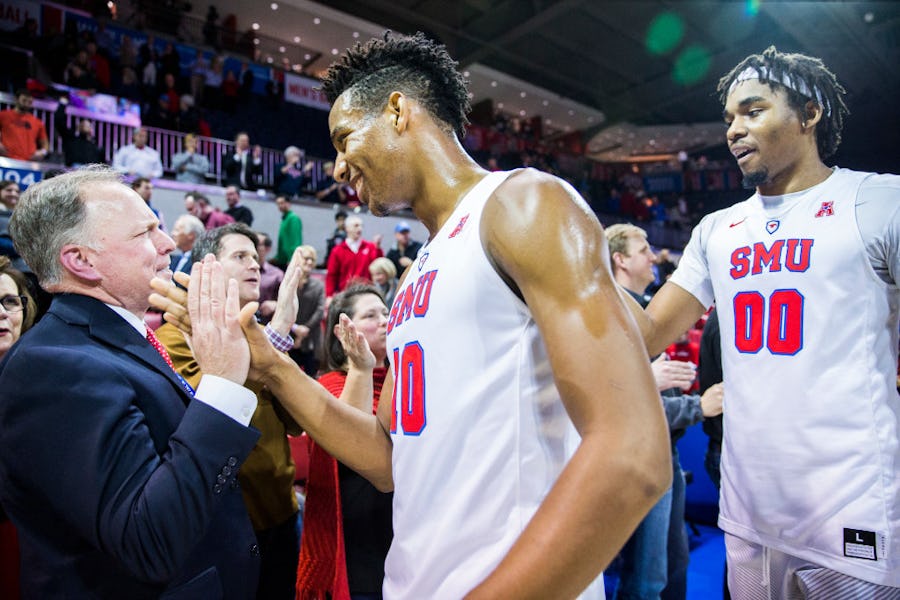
(270, 278)
(170, 63)
(22, 135)
(211, 28)
(79, 73)
(267, 476)
(99, 65)
(236, 210)
(347, 528)
(188, 117)
(144, 189)
(185, 233)
(198, 78)
(246, 80)
(404, 250)
(9, 197)
(290, 232)
(17, 308)
(329, 190)
(137, 158)
(655, 557)
(157, 114)
(127, 53)
(337, 236)
(128, 86)
(664, 265)
(79, 147)
(199, 205)
(212, 83)
(307, 330)
(171, 93)
(243, 166)
(9, 193)
(230, 90)
(351, 259)
(292, 176)
(384, 277)
(189, 165)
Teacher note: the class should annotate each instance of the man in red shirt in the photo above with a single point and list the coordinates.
(22, 135)
(351, 259)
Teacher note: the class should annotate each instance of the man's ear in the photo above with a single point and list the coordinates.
(399, 108)
(77, 260)
(812, 114)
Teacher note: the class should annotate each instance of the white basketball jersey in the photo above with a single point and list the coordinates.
(809, 355)
(479, 432)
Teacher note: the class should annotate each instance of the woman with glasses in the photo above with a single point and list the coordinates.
(16, 316)
(16, 306)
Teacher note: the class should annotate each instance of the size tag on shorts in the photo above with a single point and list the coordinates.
(860, 544)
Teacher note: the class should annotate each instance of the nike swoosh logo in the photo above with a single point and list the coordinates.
(738, 223)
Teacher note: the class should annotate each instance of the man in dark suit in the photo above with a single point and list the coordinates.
(242, 167)
(119, 478)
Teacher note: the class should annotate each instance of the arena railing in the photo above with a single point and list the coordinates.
(110, 136)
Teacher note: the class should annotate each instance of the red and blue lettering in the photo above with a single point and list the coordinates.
(409, 389)
(792, 254)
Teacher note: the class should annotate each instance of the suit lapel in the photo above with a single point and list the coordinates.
(108, 328)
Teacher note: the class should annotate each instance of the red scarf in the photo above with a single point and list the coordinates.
(322, 567)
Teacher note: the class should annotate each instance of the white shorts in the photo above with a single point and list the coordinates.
(757, 572)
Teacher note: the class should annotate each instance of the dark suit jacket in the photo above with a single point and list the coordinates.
(120, 485)
(232, 169)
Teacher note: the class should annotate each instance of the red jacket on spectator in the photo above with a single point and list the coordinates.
(344, 265)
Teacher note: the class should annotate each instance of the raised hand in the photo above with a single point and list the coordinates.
(288, 301)
(264, 358)
(359, 355)
(217, 340)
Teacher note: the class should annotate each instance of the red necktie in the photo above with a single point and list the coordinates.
(151, 337)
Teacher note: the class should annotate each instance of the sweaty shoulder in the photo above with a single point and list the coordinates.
(534, 221)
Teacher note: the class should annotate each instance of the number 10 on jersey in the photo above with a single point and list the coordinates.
(775, 322)
(409, 389)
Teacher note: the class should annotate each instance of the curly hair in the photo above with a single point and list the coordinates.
(412, 64)
(772, 67)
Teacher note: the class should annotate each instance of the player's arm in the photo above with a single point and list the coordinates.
(671, 312)
(543, 239)
(354, 437)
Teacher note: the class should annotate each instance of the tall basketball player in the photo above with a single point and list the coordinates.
(523, 436)
(805, 276)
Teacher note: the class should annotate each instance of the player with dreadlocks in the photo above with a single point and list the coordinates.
(805, 275)
(519, 426)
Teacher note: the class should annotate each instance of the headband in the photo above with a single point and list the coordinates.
(796, 84)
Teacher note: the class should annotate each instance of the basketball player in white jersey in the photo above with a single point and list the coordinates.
(804, 275)
(524, 438)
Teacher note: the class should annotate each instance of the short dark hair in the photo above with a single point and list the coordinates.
(138, 182)
(344, 302)
(412, 64)
(24, 92)
(772, 66)
(210, 242)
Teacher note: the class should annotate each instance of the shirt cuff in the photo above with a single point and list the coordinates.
(282, 343)
(227, 397)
